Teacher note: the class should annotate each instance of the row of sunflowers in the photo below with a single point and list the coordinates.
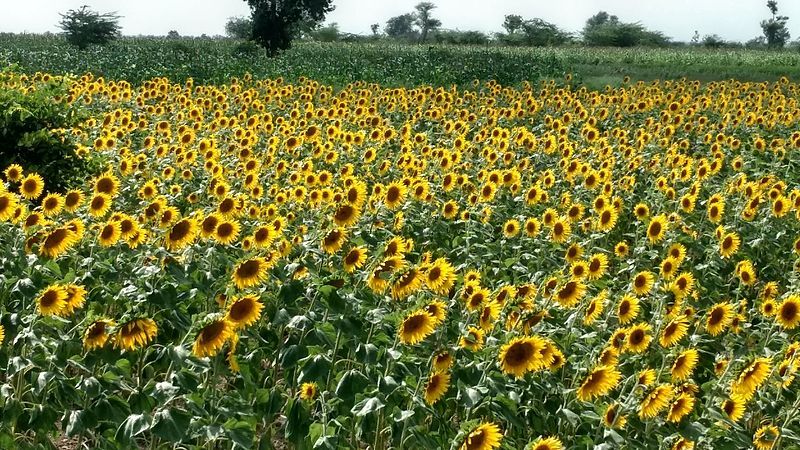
(266, 263)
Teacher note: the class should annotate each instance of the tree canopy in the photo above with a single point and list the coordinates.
(275, 22)
(84, 27)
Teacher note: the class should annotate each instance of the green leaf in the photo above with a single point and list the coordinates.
(74, 423)
(133, 426)
(351, 383)
(367, 406)
(171, 425)
(297, 421)
(240, 432)
(316, 368)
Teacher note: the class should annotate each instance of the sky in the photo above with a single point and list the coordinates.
(736, 20)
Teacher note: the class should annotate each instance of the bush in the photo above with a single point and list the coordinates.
(84, 27)
(27, 137)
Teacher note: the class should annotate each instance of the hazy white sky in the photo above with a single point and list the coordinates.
(731, 19)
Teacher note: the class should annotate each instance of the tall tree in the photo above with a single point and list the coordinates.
(275, 22)
(374, 27)
(424, 20)
(400, 27)
(239, 27)
(512, 23)
(84, 27)
(775, 29)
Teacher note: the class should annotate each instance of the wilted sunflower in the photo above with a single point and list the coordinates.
(600, 381)
(52, 300)
(436, 387)
(182, 233)
(486, 436)
(788, 312)
(135, 333)
(766, 436)
(416, 326)
(655, 401)
(521, 355)
(244, 311)
(250, 272)
(212, 337)
(97, 334)
(550, 443)
(31, 186)
(442, 361)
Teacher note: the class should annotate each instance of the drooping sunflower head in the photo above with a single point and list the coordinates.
(212, 336)
(436, 386)
(135, 334)
(97, 334)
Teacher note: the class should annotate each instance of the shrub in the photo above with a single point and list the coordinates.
(28, 137)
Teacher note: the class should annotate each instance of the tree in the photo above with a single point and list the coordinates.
(512, 23)
(374, 27)
(84, 27)
(173, 34)
(775, 30)
(328, 33)
(606, 30)
(239, 28)
(275, 22)
(540, 33)
(423, 19)
(400, 27)
(601, 18)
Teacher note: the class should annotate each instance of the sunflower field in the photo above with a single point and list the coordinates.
(272, 264)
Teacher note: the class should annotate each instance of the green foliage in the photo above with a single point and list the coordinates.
(424, 20)
(28, 137)
(456, 37)
(275, 22)
(775, 30)
(239, 28)
(604, 30)
(327, 33)
(84, 27)
(401, 27)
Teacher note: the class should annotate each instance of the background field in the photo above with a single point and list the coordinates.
(216, 60)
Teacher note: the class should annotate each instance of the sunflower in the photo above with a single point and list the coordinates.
(680, 407)
(308, 391)
(57, 242)
(655, 401)
(612, 417)
(606, 219)
(729, 245)
(99, 205)
(450, 210)
(628, 309)
(438, 310)
(212, 337)
(595, 308)
(52, 204)
(788, 312)
(746, 272)
(766, 436)
(395, 195)
(436, 387)
(657, 229)
(52, 300)
(570, 293)
(135, 333)
(250, 272)
(440, 276)
(354, 259)
(647, 377)
(73, 200)
(407, 283)
(733, 408)
(208, 227)
(521, 355)
(600, 381)
(182, 233)
(76, 297)
(416, 326)
(560, 230)
(346, 215)
(673, 332)
(244, 311)
(621, 249)
(31, 186)
(638, 338)
(13, 172)
(684, 365)
(486, 436)
(550, 443)
(442, 361)
(598, 264)
(643, 283)
(532, 227)
(97, 334)
(110, 233)
(751, 378)
(8, 203)
(720, 317)
(473, 340)
(333, 240)
(227, 231)
(106, 184)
